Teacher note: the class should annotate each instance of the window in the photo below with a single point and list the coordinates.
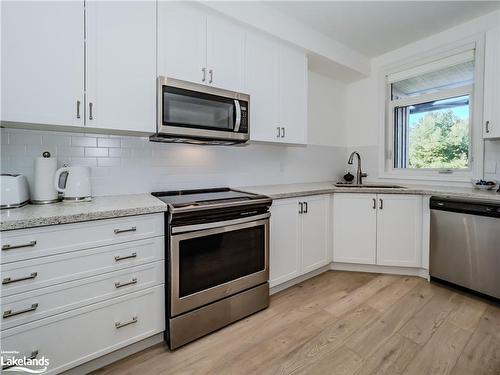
(430, 115)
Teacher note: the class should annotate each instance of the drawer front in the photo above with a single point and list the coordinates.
(72, 338)
(19, 277)
(41, 303)
(18, 245)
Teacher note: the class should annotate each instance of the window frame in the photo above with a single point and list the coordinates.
(466, 90)
(386, 128)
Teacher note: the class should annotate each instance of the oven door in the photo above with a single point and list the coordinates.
(212, 261)
(188, 109)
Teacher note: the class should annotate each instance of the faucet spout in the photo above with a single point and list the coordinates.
(359, 172)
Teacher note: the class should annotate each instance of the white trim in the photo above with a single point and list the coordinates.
(299, 279)
(373, 268)
(476, 42)
(425, 98)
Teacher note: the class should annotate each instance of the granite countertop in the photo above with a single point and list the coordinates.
(314, 188)
(63, 213)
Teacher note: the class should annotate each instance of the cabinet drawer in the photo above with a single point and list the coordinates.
(37, 242)
(41, 303)
(37, 273)
(80, 335)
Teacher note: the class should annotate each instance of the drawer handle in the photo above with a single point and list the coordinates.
(10, 313)
(10, 247)
(119, 325)
(118, 231)
(8, 280)
(33, 355)
(118, 258)
(131, 282)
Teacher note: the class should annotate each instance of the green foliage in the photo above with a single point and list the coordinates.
(439, 140)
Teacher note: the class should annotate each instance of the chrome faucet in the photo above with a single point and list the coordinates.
(359, 173)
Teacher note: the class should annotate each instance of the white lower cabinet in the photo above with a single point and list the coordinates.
(382, 229)
(299, 237)
(67, 297)
(75, 337)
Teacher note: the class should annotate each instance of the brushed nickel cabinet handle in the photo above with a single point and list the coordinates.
(301, 205)
(381, 205)
(131, 282)
(487, 126)
(33, 355)
(77, 109)
(282, 132)
(374, 204)
(8, 280)
(279, 132)
(305, 207)
(10, 247)
(119, 325)
(118, 231)
(203, 74)
(118, 258)
(10, 313)
(91, 106)
(211, 75)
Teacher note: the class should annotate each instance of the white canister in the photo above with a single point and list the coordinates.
(44, 191)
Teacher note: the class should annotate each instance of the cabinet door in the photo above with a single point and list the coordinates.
(225, 54)
(399, 230)
(121, 69)
(182, 41)
(293, 95)
(315, 232)
(354, 228)
(492, 85)
(42, 62)
(261, 82)
(285, 246)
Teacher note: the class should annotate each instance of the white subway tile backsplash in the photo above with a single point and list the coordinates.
(70, 151)
(108, 162)
(56, 140)
(96, 152)
(84, 141)
(119, 152)
(25, 138)
(108, 142)
(89, 162)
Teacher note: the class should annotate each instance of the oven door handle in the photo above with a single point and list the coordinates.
(237, 123)
(218, 224)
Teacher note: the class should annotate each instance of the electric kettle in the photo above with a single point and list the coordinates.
(74, 183)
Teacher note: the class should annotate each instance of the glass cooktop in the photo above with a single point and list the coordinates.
(203, 197)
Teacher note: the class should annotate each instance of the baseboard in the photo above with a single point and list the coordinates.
(299, 279)
(115, 356)
(393, 270)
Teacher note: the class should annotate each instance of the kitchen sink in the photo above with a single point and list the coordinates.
(372, 186)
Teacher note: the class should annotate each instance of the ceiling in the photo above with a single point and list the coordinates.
(375, 27)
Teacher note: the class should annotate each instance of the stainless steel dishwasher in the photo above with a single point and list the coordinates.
(465, 244)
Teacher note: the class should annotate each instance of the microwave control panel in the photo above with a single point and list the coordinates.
(244, 120)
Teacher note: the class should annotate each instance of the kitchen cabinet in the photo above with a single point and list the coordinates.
(42, 62)
(382, 229)
(121, 66)
(276, 79)
(354, 228)
(197, 46)
(299, 237)
(491, 119)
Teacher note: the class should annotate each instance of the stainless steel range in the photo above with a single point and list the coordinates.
(217, 266)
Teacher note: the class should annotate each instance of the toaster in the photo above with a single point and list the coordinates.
(15, 191)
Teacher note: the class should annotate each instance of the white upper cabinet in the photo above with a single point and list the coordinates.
(354, 228)
(197, 46)
(262, 58)
(293, 95)
(491, 127)
(121, 65)
(315, 231)
(42, 62)
(399, 230)
(276, 79)
(225, 54)
(182, 36)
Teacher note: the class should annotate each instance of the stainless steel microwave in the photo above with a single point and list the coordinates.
(196, 113)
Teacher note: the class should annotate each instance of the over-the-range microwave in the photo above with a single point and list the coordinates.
(195, 113)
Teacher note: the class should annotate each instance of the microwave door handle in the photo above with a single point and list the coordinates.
(238, 116)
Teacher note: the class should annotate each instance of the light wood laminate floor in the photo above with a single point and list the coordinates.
(344, 323)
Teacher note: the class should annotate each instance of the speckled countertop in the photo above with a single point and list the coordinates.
(298, 190)
(63, 213)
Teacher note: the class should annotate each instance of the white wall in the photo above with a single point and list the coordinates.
(125, 165)
(363, 97)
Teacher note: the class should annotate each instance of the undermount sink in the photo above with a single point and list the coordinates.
(372, 186)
